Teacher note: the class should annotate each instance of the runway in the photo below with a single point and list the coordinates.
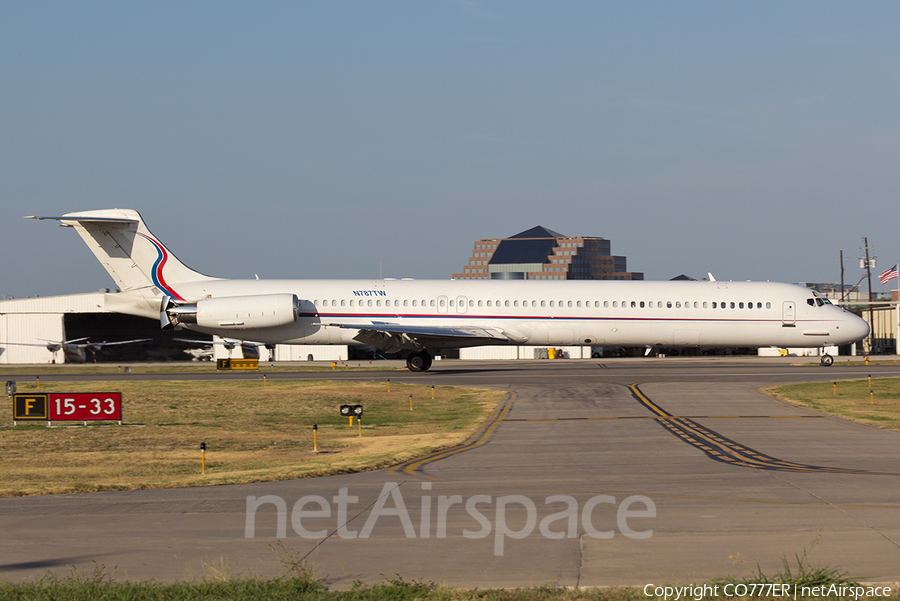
(591, 473)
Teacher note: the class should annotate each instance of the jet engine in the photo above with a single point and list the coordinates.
(238, 312)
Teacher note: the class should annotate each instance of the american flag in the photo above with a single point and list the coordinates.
(888, 275)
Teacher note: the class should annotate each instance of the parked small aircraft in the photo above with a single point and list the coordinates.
(249, 350)
(75, 350)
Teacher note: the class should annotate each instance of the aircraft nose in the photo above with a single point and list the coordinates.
(859, 327)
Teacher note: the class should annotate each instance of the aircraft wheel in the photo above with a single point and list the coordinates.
(418, 361)
(826, 361)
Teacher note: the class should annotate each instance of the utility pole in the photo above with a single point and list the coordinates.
(869, 264)
(842, 275)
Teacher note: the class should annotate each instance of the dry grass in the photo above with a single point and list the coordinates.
(254, 432)
(850, 399)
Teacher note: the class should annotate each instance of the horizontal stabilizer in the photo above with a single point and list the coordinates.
(86, 219)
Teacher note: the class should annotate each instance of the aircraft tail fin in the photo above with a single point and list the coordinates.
(130, 253)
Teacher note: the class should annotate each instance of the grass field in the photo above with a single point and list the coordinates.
(850, 399)
(254, 431)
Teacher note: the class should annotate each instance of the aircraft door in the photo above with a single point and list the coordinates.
(442, 304)
(788, 314)
(462, 304)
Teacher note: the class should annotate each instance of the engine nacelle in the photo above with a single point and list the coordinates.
(238, 312)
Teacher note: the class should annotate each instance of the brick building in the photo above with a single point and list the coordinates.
(542, 254)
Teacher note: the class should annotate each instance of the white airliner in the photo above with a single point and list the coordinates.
(422, 316)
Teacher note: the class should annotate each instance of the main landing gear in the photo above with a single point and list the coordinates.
(420, 361)
(826, 361)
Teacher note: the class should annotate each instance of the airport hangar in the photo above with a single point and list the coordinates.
(28, 325)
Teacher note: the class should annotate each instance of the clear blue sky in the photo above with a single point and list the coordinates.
(325, 139)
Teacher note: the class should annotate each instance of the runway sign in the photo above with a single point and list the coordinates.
(30, 407)
(237, 364)
(68, 406)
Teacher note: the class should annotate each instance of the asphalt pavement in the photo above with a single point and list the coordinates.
(590, 473)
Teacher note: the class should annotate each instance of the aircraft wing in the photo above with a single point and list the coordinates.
(393, 337)
(225, 342)
(115, 342)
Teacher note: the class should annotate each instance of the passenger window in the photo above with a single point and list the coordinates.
(432, 303)
(642, 304)
(714, 304)
(759, 305)
(677, 304)
(489, 303)
(515, 303)
(633, 304)
(749, 305)
(406, 303)
(615, 304)
(480, 303)
(668, 304)
(569, 304)
(768, 305)
(543, 303)
(505, 303)
(740, 305)
(732, 305)
(415, 303)
(605, 304)
(378, 302)
(552, 303)
(471, 303)
(704, 305)
(352, 303)
(578, 304)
